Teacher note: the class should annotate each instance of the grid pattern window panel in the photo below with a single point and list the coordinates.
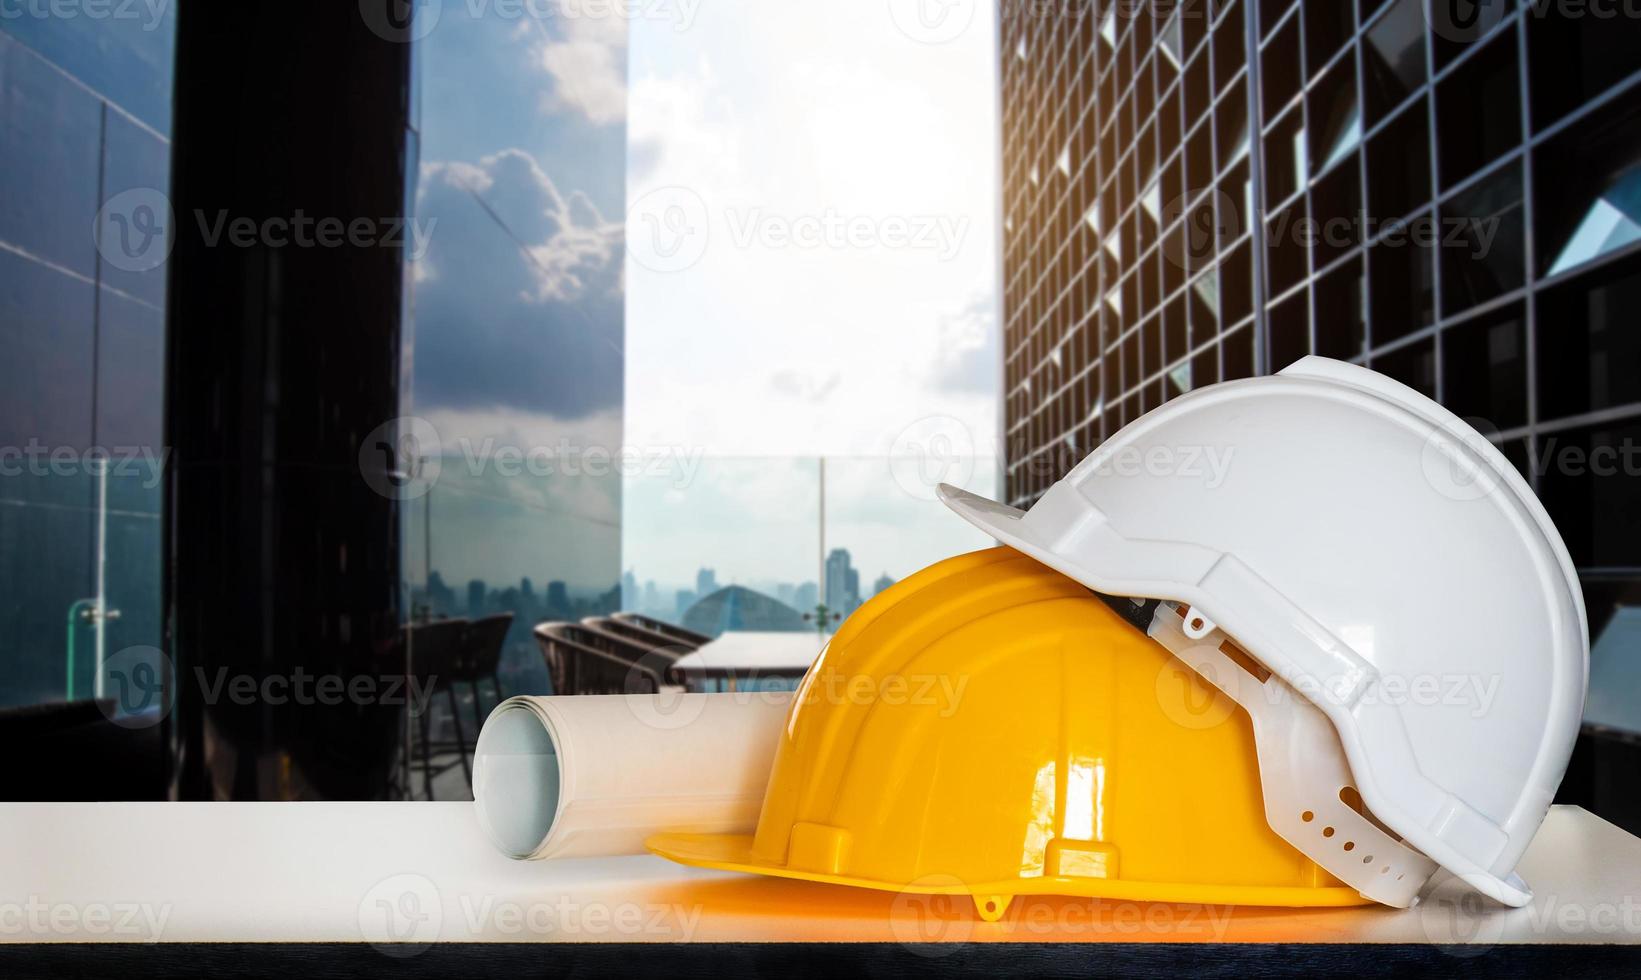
(1129, 209)
(1201, 190)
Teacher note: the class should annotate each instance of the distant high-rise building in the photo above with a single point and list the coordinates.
(788, 593)
(883, 582)
(629, 590)
(475, 597)
(441, 599)
(652, 595)
(806, 597)
(686, 598)
(558, 600)
(842, 583)
(706, 582)
(527, 587)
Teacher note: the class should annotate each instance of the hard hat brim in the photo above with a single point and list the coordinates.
(733, 852)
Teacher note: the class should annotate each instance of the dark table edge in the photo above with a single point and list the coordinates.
(716, 960)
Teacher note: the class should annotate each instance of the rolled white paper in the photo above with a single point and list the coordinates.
(594, 775)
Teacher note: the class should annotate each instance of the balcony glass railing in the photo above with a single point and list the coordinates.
(711, 543)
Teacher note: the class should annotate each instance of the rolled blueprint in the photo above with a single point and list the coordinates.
(591, 775)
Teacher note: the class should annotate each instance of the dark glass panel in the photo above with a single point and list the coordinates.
(1393, 58)
(1483, 237)
(1589, 350)
(1484, 368)
(1402, 280)
(1399, 166)
(1413, 365)
(1478, 110)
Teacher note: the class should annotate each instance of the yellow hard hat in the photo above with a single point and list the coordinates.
(990, 727)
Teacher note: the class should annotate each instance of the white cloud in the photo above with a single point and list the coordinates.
(796, 112)
(523, 429)
(518, 304)
(578, 239)
(767, 357)
(586, 59)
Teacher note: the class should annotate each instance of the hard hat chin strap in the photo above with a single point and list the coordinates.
(1310, 797)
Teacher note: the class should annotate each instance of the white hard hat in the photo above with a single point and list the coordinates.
(1369, 550)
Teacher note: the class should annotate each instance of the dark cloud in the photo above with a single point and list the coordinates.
(520, 304)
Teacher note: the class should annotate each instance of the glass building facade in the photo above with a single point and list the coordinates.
(85, 118)
(1449, 193)
(511, 230)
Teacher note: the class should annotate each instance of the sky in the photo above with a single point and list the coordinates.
(519, 341)
(811, 225)
(726, 237)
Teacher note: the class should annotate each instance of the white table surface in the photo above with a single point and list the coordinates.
(418, 872)
(751, 652)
